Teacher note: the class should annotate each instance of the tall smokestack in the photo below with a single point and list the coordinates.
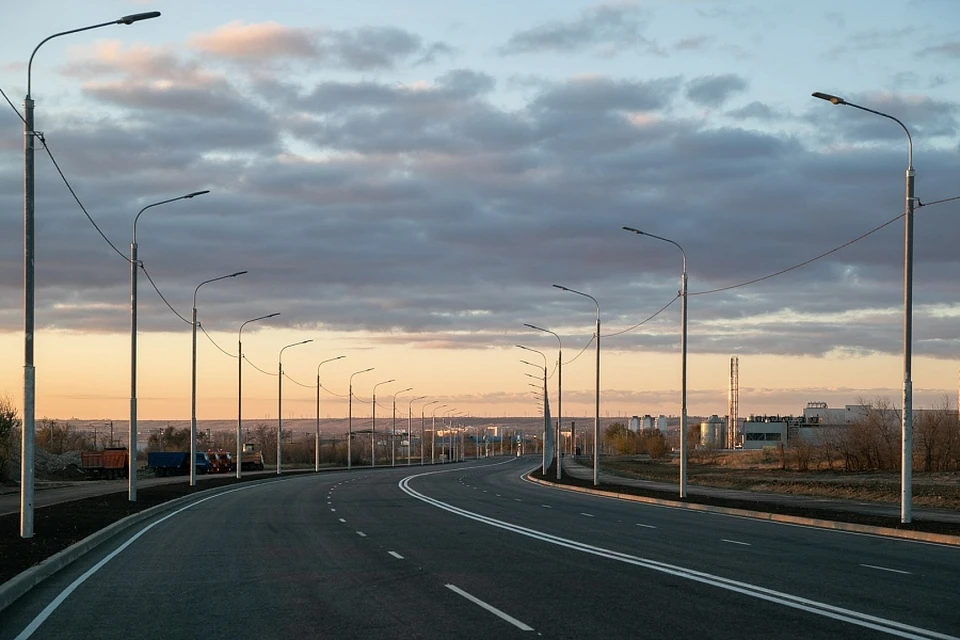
(733, 405)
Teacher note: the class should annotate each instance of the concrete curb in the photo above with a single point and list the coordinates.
(919, 536)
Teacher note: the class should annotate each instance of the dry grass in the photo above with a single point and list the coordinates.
(760, 471)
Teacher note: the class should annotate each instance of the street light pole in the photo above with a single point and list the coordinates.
(393, 439)
(410, 426)
(350, 418)
(29, 285)
(433, 434)
(559, 393)
(316, 463)
(239, 460)
(373, 430)
(449, 418)
(193, 379)
(683, 358)
(134, 264)
(546, 426)
(596, 423)
(423, 442)
(906, 419)
(280, 398)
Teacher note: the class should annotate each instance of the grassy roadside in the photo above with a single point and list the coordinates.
(749, 472)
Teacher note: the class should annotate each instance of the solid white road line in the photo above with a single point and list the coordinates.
(873, 566)
(50, 608)
(824, 609)
(395, 555)
(492, 609)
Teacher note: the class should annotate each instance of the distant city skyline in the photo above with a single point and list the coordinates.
(405, 182)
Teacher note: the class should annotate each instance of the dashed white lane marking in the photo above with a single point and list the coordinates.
(492, 609)
(873, 566)
(395, 555)
(361, 534)
(546, 506)
(743, 544)
(646, 526)
(342, 520)
(589, 515)
(517, 500)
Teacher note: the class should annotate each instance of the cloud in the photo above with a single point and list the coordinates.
(607, 29)
(264, 40)
(948, 49)
(714, 91)
(361, 49)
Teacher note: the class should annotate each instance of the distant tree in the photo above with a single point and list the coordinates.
(10, 424)
(937, 439)
(169, 439)
(58, 437)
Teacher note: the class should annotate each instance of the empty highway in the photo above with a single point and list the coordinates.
(475, 551)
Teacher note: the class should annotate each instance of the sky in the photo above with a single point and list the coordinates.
(404, 181)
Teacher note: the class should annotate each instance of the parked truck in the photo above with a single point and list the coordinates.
(171, 463)
(109, 463)
(252, 458)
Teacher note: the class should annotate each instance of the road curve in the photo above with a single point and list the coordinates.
(474, 551)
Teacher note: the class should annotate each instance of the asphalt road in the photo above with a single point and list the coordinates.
(473, 551)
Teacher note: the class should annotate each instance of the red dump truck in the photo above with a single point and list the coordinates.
(108, 463)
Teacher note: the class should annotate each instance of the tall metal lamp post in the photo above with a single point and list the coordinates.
(683, 358)
(134, 264)
(373, 431)
(350, 418)
(596, 423)
(433, 434)
(280, 398)
(239, 460)
(410, 426)
(393, 438)
(193, 379)
(316, 461)
(906, 419)
(559, 393)
(29, 371)
(546, 426)
(423, 441)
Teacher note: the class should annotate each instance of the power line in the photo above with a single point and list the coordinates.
(643, 322)
(258, 368)
(802, 264)
(157, 289)
(15, 110)
(46, 147)
(214, 343)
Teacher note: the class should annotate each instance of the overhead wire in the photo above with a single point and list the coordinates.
(73, 193)
(157, 289)
(214, 342)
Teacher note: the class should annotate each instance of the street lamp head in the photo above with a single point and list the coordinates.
(562, 288)
(137, 17)
(272, 315)
(196, 193)
(238, 273)
(828, 97)
(636, 231)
